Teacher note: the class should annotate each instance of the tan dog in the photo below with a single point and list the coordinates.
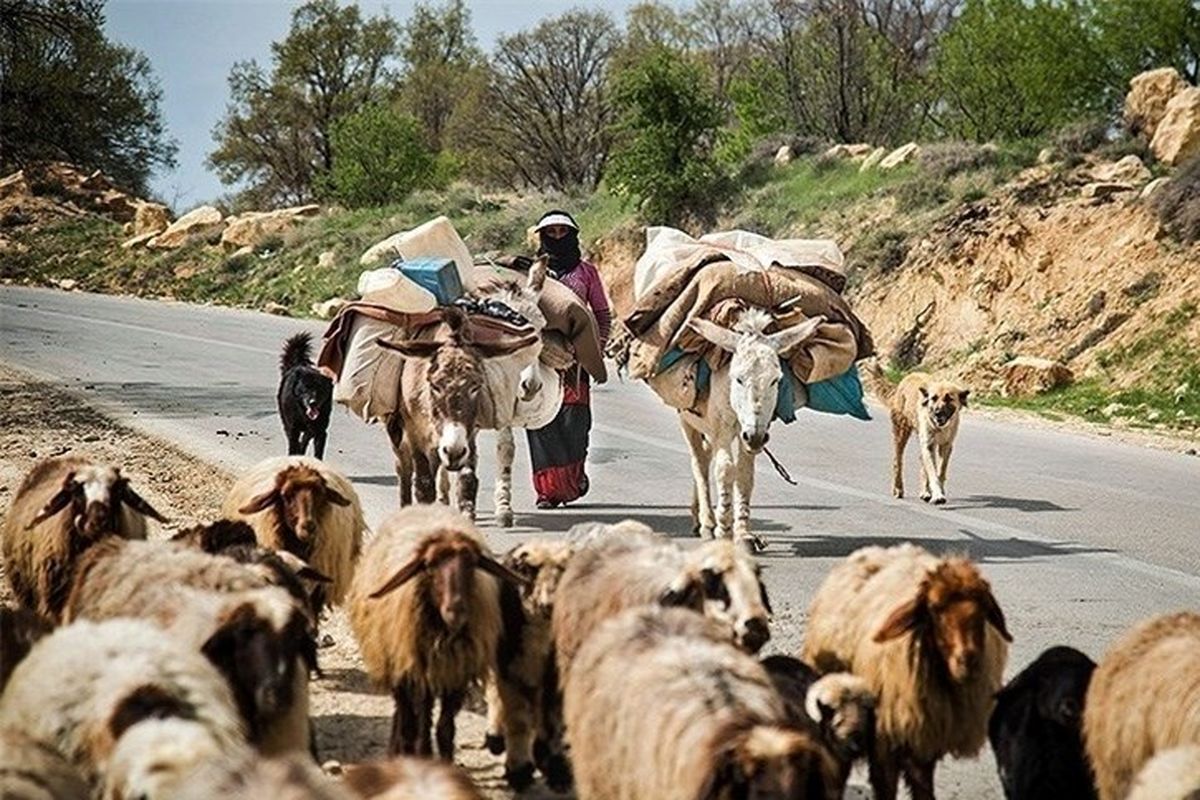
(931, 408)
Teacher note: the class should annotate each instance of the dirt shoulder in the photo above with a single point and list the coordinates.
(352, 720)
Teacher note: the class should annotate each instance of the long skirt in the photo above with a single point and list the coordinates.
(559, 450)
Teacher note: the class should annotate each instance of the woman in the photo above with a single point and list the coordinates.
(559, 450)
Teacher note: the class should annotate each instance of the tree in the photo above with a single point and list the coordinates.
(71, 95)
(666, 135)
(1017, 69)
(1137, 35)
(276, 134)
(379, 158)
(552, 110)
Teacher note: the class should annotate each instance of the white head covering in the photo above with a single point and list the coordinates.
(556, 218)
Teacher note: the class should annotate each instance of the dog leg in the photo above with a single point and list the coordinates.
(900, 436)
(319, 444)
(931, 487)
(295, 448)
(944, 452)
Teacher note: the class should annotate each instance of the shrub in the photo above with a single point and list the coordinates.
(946, 159)
(1081, 137)
(922, 192)
(1178, 203)
(379, 157)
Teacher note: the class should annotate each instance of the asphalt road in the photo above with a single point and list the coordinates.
(1081, 536)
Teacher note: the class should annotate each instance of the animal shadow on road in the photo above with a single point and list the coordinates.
(979, 549)
(1025, 504)
(674, 521)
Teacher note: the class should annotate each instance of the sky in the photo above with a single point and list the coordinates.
(194, 43)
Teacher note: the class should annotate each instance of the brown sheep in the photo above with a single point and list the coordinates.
(929, 639)
(523, 698)
(425, 608)
(19, 630)
(660, 705)
(305, 507)
(30, 770)
(63, 506)
(407, 778)
(1144, 697)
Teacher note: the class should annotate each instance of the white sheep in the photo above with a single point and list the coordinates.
(64, 506)
(83, 686)
(408, 778)
(929, 639)
(157, 758)
(425, 608)
(659, 704)
(305, 507)
(1171, 775)
(31, 770)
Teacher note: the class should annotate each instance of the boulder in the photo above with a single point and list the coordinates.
(1177, 136)
(138, 241)
(278, 309)
(783, 156)
(327, 260)
(1025, 376)
(1153, 186)
(150, 218)
(15, 185)
(204, 221)
(1129, 169)
(849, 151)
(255, 227)
(1103, 189)
(329, 308)
(872, 159)
(901, 155)
(67, 284)
(1148, 96)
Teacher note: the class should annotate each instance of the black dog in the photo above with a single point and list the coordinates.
(305, 397)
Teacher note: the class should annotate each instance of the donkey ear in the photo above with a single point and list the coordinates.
(787, 340)
(494, 567)
(537, 274)
(500, 349)
(411, 348)
(402, 576)
(721, 337)
(901, 620)
(260, 503)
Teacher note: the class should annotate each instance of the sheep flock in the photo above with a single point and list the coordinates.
(615, 662)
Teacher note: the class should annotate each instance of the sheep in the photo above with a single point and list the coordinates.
(1036, 729)
(261, 638)
(929, 639)
(156, 758)
(31, 770)
(407, 778)
(83, 686)
(839, 707)
(1171, 775)
(425, 608)
(253, 778)
(39, 542)
(1144, 698)
(523, 703)
(305, 507)
(629, 566)
(19, 631)
(659, 704)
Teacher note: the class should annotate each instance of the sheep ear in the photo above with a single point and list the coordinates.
(402, 576)
(901, 621)
(684, 591)
(335, 497)
(995, 616)
(138, 503)
(56, 504)
(310, 574)
(494, 567)
(537, 274)
(721, 337)
(260, 503)
(766, 601)
(412, 349)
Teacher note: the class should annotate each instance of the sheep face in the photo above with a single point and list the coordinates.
(448, 560)
(1061, 692)
(541, 564)
(953, 607)
(729, 583)
(300, 495)
(772, 763)
(95, 494)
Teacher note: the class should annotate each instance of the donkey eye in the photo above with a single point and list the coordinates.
(741, 381)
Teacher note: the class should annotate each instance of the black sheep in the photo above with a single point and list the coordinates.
(1035, 729)
(305, 397)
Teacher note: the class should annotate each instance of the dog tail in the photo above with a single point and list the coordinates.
(877, 382)
(297, 351)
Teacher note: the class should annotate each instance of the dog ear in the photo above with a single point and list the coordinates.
(962, 397)
(924, 395)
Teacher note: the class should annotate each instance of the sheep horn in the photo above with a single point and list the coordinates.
(138, 503)
(494, 567)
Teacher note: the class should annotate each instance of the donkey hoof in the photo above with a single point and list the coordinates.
(519, 778)
(940, 500)
(504, 519)
(494, 742)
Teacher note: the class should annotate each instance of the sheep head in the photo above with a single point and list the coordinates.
(448, 560)
(772, 762)
(844, 707)
(95, 494)
(952, 607)
(541, 565)
(299, 497)
(724, 581)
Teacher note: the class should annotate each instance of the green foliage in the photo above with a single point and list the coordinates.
(666, 136)
(69, 94)
(1017, 69)
(380, 157)
(1137, 35)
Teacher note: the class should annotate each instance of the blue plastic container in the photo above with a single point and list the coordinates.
(438, 275)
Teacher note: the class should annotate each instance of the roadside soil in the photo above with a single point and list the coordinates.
(352, 719)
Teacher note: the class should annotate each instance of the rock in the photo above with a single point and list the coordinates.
(849, 151)
(66, 284)
(138, 240)
(242, 252)
(1046, 155)
(327, 260)
(1129, 169)
(1153, 186)
(150, 218)
(255, 227)
(901, 155)
(1112, 409)
(872, 159)
(15, 185)
(278, 309)
(1148, 96)
(783, 156)
(199, 222)
(1026, 375)
(1106, 189)
(329, 308)
(1177, 136)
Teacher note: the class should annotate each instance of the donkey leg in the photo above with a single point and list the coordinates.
(400, 449)
(424, 476)
(505, 451)
(724, 462)
(443, 485)
(743, 488)
(703, 520)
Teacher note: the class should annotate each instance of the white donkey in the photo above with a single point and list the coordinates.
(731, 426)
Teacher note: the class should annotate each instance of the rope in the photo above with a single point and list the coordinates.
(780, 468)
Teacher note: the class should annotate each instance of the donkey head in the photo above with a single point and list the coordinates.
(754, 370)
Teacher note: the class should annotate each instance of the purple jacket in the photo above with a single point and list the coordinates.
(585, 281)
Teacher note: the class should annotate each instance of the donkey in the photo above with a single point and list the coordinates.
(443, 387)
(731, 425)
